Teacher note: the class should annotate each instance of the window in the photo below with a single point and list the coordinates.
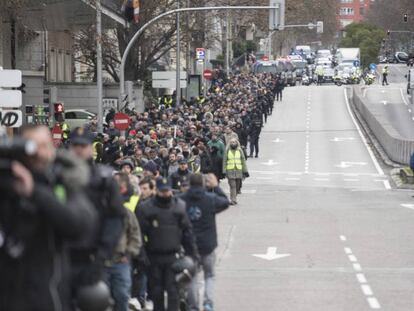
(70, 115)
(361, 11)
(348, 1)
(346, 11)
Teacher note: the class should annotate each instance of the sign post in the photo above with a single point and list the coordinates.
(10, 98)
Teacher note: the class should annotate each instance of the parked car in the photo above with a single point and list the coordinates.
(78, 117)
(400, 57)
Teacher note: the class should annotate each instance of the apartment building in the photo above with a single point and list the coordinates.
(351, 11)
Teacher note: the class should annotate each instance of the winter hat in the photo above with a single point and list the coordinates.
(151, 166)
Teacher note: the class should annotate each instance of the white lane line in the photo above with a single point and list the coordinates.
(410, 206)
(351, 180)
(361, 278)
(357, 267)
(342, 238)
(409, 110)
(387, 185)
(352, 258)
(366, 289)
(403, 97)
(412, 118)
(371, 154)
(347, 250)
(292, 179)
(373, 303)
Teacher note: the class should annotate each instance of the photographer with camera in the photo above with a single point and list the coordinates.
(43, 208)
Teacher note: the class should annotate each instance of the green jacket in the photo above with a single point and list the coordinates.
(219, 145)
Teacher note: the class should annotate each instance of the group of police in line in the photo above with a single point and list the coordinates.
(74, 234)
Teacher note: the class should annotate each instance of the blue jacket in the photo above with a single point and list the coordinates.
(202, 207)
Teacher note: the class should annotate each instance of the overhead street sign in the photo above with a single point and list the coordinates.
(10, 78)
(10, 99)
(11, 118)
(167, 79)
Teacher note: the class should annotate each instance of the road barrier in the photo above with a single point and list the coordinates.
(397, 148)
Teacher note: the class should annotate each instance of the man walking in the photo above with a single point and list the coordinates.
(385, 75)
(235, 168)
(202, 207)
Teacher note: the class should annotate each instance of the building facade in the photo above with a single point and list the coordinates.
(352, 11)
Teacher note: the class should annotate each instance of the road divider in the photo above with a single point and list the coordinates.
(396, 147)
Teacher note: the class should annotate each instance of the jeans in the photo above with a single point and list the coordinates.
(118, 278)
(208, 263)
(254, 145)
(235, 185)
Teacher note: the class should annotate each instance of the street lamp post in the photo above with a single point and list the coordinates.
(178, 61)
(144, 27)
(99, 63)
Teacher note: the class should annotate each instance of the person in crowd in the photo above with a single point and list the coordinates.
(181, 176)
(118, 268)
(90, 256)
(385, 75)
(235, 168)
(44, 208)
(202, 207)
(167, 229)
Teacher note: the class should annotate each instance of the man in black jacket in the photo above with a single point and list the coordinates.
(202, 207)
(43, 210)
(166, 230)
(103, 192)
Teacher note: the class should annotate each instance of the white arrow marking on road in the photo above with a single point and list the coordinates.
(278, 140)
(270, 163)
(410, 206)
(340, 139)
(271, 254)
(350, 164)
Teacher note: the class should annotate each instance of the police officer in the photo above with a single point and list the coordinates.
(103, 191)
(166, 229)
(254, 134)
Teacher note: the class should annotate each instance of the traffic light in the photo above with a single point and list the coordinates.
(405, 18)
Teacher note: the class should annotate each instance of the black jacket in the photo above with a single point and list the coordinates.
(166, 227)
(202, 207)
(179, 177)
(34, 268)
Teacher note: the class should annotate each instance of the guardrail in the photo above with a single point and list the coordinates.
(397, 148)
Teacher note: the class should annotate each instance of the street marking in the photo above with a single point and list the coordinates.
(370, 152)
(373, 303)
(366, 289)
(342, 238)
(321, 179)
(295, 173)
(409, 110)
(270, 163)
(350, 164)
(352, 258)
(278, 140)
(387, 185)
(357, 267)
(361, 278)
(351, 174)
(403, 97)
(347, 250)
(410, 206)
(351, 180)
(322, 174)
(264, 178)
(292, 179)
(271, 254)
(341, 139)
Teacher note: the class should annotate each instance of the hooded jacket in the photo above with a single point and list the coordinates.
(202, 207)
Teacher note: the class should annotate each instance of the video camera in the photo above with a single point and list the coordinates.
(13, 150)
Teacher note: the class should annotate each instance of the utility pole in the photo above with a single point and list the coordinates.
(99, 63)
(188, 49)
(178, 61)
(228, 42)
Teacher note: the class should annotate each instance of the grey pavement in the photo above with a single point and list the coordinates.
(318, 195)
(392, 101)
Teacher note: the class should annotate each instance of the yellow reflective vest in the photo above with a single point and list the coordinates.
(132, 203)
(95, 151)
(234, 160)
(168, 102)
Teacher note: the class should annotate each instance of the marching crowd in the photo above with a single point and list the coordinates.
(125, 217)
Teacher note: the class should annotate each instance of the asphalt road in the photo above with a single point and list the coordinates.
(319, 196)
(392, 101)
